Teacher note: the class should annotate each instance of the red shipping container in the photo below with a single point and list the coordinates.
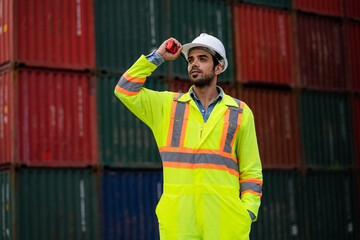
(321, 52)
(48, 118)
(277, 128)
(263, 45)
(352, 9)
(55, 34)
(356, 123)
(354, 54)
(326, 7)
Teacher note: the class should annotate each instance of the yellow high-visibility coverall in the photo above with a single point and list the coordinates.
(212, 170)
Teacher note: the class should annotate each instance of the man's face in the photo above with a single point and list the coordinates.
(200, 67)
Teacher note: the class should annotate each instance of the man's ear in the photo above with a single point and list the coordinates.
(218, 69)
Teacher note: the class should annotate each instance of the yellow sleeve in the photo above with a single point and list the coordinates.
(146, 104)
(249, 163)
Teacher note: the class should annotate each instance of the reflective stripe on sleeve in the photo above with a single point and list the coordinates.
(251, 185)
(129, 85)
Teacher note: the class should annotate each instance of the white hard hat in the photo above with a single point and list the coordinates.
(211, 43)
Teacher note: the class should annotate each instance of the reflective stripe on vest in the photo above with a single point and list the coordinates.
(129, 85)
(174, 155)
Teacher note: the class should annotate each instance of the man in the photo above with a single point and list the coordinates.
(207, 142)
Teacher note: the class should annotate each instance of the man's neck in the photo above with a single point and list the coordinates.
(206, 94)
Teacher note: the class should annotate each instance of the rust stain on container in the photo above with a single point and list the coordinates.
(321, 52)
(277, 129)
(263, 45)
(53, 118)
(326, 7)
(55, 34)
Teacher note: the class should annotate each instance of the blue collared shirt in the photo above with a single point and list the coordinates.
(206, 112)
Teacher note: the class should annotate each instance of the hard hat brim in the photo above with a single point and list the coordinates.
(188, 46)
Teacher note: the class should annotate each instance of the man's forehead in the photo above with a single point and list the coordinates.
(195, 52)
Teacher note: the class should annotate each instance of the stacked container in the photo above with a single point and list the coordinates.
(48, 125)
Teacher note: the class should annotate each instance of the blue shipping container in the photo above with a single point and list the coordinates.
(128, 202)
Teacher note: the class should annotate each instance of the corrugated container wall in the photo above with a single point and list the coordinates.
(280, 214)
(321, 52)
(127, 205)
(331, 206)
(277, 129)
(125, 141)
(51, 117)
(356, 123)
(56, 204)
(352, 9)
(326, 7)
(326, 128)
(270, 3)
(7, 206)
(353, 34)
(6, 31)
(56, 34)
(125, 30)
(263, 45)
(6, 117)
(189, 18)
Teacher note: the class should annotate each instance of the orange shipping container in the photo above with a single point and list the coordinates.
(263, 45)
(276, 121)
(321, 52)
(47, 118)
(56, 34)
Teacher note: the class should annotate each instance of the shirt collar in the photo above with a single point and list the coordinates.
(217, 99)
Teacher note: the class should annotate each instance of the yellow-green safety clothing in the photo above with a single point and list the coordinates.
(206, 166)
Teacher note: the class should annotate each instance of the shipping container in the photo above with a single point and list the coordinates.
(263, 45)
(189, 18)
(331, 210)
(49, 204)
(127, 205)
(277, 129)
(184, 86)
(281, 212)
(125, 141)
(326, 129)
(270, 3)
(7, 209)
(353, 35)
(352, 9)
(356, 123)
(321, 52)
(55, 34)
(325, 7)
(125, 30)
(48, 118)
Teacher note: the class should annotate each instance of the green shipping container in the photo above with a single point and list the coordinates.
(126, 29)
(331, 206)
(7, 209)
(125, 141)
(49, 204)
(326, 129)
(280, 213)
(189, 18)
(270, 3)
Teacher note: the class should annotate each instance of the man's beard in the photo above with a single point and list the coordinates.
(205, 81)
